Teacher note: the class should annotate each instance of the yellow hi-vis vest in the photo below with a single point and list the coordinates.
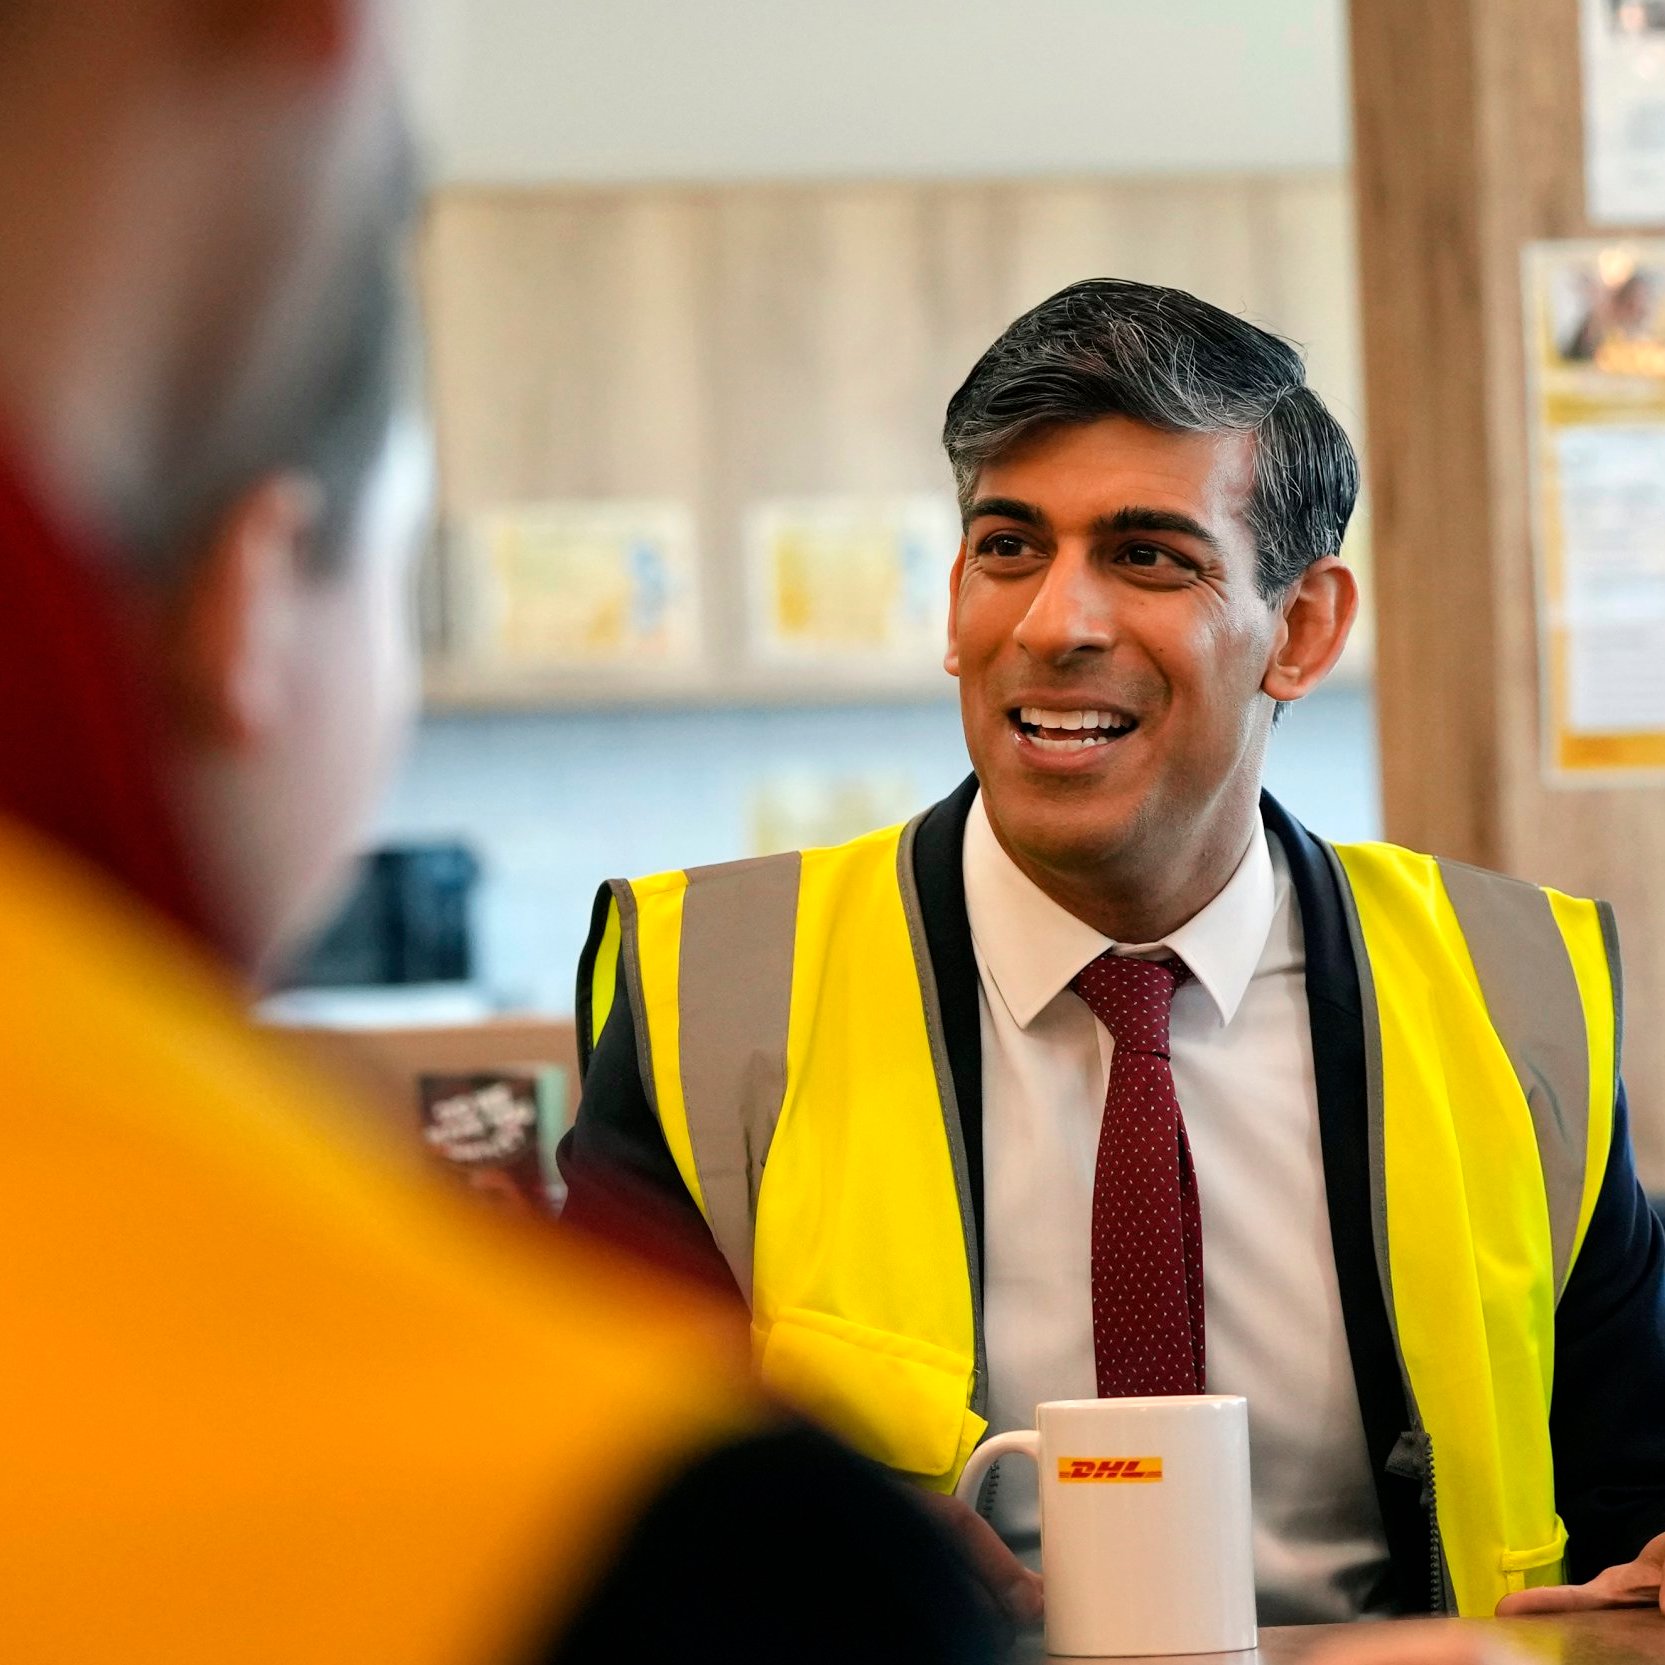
(791, 1045)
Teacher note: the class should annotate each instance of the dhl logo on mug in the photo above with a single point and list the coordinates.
(1120, 1469)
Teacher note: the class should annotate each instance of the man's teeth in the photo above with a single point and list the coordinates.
(1037, 716)
(1096, 728)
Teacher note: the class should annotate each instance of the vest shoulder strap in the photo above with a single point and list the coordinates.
(1548, 969)
(705, 959)
(734, 980)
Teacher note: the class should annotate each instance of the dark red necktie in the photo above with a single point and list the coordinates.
(1147, 1223)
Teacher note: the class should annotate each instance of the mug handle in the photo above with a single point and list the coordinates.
(990, 1452)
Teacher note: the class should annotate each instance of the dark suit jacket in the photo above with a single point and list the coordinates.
(1607, 1420)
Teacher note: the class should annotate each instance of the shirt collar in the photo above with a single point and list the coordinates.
(1031, 947)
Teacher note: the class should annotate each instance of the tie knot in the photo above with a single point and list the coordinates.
(1133, 999)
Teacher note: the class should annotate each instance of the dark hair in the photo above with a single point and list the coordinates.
(323, 405)
(1109, 347)
(354, 408)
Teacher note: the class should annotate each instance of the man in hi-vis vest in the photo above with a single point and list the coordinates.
(1105, 1076)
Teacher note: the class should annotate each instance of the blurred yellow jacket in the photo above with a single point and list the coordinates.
(266, 1396)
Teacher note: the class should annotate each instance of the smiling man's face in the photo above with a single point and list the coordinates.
(1111, 645)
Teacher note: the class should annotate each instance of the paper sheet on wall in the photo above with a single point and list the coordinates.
(1624, 111)
(851, 579)
(1612, 509)
(1595, 317)
(800, 810)
(579, 585)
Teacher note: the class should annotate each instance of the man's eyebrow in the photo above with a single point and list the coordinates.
(1138, 519)
(1008, 508)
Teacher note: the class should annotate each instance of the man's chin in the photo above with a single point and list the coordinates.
(1065, 833)
(1079, 858)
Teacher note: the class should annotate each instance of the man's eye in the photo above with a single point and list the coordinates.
(1005, 545)
(1149, 555)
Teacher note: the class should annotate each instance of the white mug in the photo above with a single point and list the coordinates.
(1145, 1525)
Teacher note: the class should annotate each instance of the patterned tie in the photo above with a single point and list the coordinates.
(1147, 1223)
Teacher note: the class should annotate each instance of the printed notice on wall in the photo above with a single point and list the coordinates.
(1624, 111)
(808, 809)
(578, 585)
(1595, 317)
(851, 580)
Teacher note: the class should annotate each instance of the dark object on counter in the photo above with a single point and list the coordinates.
(406, 920)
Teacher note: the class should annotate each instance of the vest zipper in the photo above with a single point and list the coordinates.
(1412, 1458)
(1436, 1550)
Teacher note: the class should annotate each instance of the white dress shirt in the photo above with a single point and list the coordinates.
(1242, 1063)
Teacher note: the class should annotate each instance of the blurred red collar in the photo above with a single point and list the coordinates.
(80, 743)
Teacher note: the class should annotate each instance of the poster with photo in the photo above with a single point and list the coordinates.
(1605, 309)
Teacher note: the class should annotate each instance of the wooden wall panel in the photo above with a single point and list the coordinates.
(805, 338)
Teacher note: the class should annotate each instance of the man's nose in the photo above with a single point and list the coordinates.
(1071, 612)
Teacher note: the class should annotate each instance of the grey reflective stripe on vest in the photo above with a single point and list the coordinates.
(734, 997)
(1532, 998)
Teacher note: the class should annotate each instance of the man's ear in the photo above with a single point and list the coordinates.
(1316, 619)
(951, 658)
(236, 617)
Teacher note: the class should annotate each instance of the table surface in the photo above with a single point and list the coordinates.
(1623, 1636)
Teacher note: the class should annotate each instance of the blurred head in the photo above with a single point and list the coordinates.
(193, 190)
(206, 203)
(1153, 502)
(285, 640)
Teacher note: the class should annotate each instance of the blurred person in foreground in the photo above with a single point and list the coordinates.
(1106, 1077)
(267, 1396)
